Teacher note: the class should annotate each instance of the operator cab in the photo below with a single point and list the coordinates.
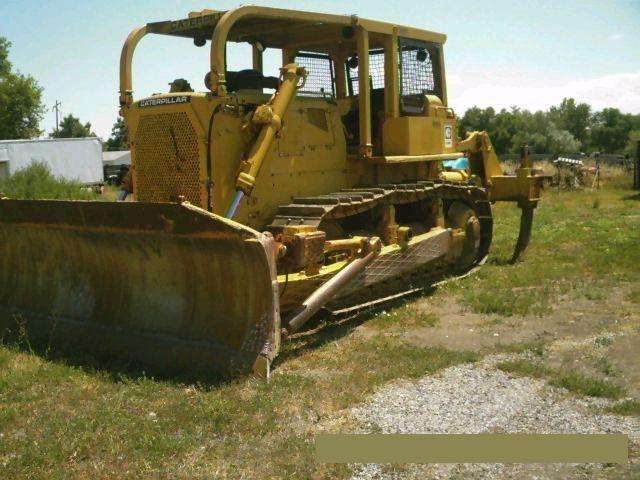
(394, 103)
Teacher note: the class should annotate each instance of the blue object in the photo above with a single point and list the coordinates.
(459, 164)
(235, 204)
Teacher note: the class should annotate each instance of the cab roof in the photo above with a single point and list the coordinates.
(280, 28)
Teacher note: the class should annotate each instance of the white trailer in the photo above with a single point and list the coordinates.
(71, 158)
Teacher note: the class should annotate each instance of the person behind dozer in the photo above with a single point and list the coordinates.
(126, 183)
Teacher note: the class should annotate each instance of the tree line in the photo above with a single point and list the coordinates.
(568, 128)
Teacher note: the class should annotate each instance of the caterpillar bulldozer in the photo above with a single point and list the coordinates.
(259, 200)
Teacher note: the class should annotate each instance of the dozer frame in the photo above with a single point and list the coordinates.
(252, 206)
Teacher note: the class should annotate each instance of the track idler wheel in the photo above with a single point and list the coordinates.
(461, 216)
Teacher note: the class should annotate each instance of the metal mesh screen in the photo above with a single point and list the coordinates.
(166, 159)
(320, 75)
(376, 72)
(418, 77)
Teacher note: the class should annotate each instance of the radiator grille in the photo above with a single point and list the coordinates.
(166, 159)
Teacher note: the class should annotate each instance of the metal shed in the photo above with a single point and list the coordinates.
(70, 158)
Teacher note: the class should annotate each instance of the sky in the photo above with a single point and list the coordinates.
(529, 54)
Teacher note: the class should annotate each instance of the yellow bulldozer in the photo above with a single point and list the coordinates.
(260, 200)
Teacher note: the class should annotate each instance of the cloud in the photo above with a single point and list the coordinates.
(620, 91)
(615, 37)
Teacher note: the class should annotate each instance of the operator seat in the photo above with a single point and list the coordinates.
(351, 120)
(246, 80)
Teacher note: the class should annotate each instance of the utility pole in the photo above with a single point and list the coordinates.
(56, 107)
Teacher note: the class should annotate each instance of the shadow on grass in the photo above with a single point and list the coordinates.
(500, 261)
(635, 197)
(324, 328)
(116, 369)
(507, 261)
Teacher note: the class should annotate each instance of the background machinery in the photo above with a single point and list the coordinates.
(262, 199)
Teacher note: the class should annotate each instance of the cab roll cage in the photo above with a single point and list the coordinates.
(386, 36)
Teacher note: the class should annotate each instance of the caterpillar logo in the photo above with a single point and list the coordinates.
(154, 102)
(196, 22)
(448, 136)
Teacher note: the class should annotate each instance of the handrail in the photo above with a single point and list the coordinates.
(126, 58)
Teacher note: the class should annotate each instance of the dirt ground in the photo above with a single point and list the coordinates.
(597, 338)
(578, 333)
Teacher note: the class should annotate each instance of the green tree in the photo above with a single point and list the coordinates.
(72, 127)
(5, 64)
(561, 141)
(21, 107)
(119, 139)
(508, 129)
(610, 130)
(532, 128)
(507, 124)
(631, 149)
(538, 142)
(572, 117)
(476, 119)
(563, 129)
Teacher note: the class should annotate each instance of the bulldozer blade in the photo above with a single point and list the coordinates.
(169, 285)
(524, 235)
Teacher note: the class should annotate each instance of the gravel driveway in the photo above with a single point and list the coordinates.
(475, 398)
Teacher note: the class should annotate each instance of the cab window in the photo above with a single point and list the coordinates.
(321, 81)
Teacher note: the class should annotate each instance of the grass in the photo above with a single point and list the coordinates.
(626, 407)
(634, 296)
(65, 418)
(603, 341)
(573, 381)
(589, 386)
(576, 251)
(607, 367)
(535, 347)
(404, 316)
(37, 182)
(75, 416)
